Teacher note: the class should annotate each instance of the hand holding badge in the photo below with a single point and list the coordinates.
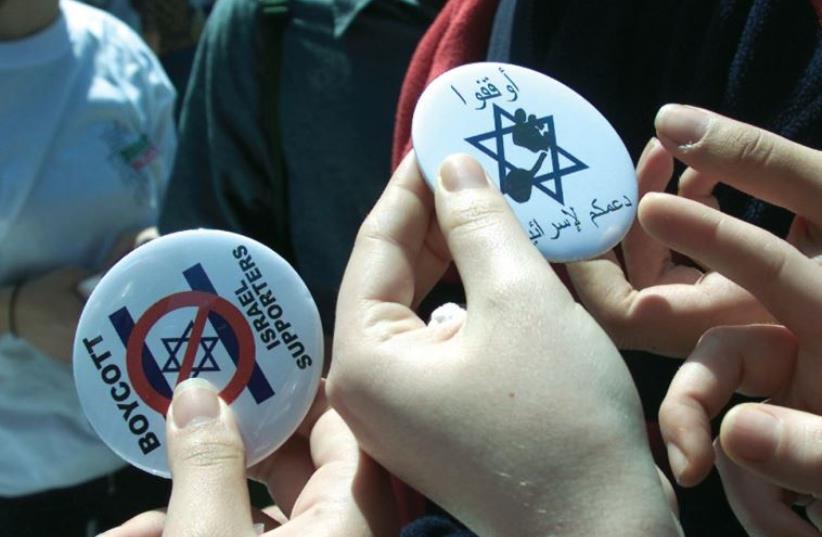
(197, 304)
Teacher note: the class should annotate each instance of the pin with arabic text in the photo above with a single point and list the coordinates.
(562, 167)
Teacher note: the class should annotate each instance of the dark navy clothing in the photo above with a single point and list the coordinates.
(758, 61)
(286, 130)
(337, 100)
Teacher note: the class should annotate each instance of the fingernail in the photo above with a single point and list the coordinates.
(652, 143)
(461, 172)
(195, 402)
(677, 460)
(757, 430)
(682, 125)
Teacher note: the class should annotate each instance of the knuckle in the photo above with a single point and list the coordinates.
(675, 412)
(388, 220)
(342, 376)
(774, 265)
(620, 313)
(667, 415)
(752, 147)
(720, 343)
(335, 387)
(615, 320)
(508, 288)
(713, 337)
(210, 451)
(372, 230)
(347, 380)
(473, 214)
(803, 448)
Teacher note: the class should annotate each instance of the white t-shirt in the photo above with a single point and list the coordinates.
(86, 145)
(121, 9)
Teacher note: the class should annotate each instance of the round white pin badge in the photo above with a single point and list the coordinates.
(206, 304)
(562, 167)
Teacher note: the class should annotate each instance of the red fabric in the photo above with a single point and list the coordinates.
(817, 5)
(458, 36)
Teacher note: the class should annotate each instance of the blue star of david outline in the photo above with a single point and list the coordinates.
(554, 150)
(207, 363)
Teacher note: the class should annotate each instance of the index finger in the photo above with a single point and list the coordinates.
(751, 159)
(381, 270)
(787, 283)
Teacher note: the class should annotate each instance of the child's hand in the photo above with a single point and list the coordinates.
(783, 363)
(662, 306)
(519, 417)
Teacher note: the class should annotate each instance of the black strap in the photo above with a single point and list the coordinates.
(275, 20)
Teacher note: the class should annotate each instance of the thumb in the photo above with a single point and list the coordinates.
(209, 494)
(780, 444)
(487, 242)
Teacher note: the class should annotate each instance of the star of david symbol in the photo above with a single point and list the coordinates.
(537, 135)
(174, 344)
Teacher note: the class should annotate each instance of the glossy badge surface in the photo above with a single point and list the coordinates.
(561, 166)
(206, 304)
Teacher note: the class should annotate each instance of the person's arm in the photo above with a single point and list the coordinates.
(229, 173)
(46, 310)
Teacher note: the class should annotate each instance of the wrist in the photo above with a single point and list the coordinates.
(628, 503)
(598, 479)
(626, 500)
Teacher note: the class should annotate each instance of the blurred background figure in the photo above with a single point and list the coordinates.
(122, 9)
(170, 27)
(86, 144)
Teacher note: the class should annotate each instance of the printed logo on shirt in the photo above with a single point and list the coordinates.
(131, 153)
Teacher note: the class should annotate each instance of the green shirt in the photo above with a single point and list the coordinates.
(285, 134)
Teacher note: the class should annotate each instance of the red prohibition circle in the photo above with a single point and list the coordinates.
(205, 304)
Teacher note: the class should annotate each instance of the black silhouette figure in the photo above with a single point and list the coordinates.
(518, 182)
(526, 133)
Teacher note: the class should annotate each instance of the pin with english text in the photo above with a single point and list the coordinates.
(205, 304)
(561, 166)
